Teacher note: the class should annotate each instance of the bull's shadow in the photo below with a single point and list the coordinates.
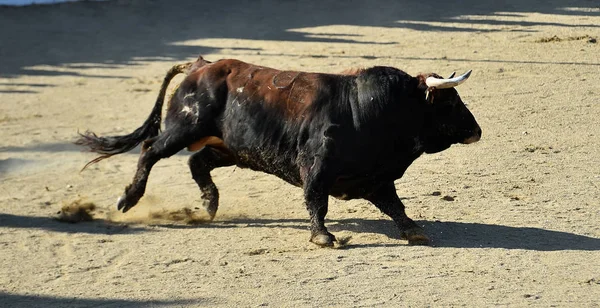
(446, 234)
(477, 235)
(98, 226)
(443, 234)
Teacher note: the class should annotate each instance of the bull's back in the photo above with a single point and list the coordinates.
(264, 115)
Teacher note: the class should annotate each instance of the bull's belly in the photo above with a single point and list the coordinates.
(264, 160)
(346, 188)
(282, 166)
(343, 188)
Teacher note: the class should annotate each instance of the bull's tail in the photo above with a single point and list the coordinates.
(112, 145)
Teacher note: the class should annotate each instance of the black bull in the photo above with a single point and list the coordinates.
(346, 135)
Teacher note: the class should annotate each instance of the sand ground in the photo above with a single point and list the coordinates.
(523, 229)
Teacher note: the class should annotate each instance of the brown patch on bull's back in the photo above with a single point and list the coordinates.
(200, 62)
(291, 92)
(284, 79)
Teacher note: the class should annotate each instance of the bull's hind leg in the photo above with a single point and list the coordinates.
(387, 200)
(201, 164)
(164, 145)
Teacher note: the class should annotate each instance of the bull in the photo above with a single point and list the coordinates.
(348, 135)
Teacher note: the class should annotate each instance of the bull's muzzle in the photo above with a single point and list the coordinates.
(475, 137)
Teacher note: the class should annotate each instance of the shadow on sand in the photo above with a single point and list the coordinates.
(109, 34)
(457, 234)
(443, 234)
(98, 226)
(17, 300)
(476, 235)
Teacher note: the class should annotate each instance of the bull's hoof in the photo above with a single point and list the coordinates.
(416, 236)
(123, 204)
(211, 207)
(323, 239)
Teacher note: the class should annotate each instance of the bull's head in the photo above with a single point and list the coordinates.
(449, 120)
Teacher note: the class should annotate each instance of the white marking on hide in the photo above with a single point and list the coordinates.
(191, 111)
(186, 109)
(240, 90)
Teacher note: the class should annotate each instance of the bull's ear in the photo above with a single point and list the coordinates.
(421, 84)
(423, 88)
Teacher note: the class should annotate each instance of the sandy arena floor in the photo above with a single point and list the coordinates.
(523, 229)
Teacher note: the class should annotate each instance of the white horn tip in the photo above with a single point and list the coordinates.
(441, 83)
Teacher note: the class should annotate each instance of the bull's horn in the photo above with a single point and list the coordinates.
(452, 75)
(441, 83)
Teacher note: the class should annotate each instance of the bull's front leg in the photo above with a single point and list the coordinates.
(386, 199)
(318, 177)
(316, 203)
(316, 188)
